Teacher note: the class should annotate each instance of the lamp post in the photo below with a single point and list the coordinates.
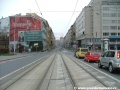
(14, 34)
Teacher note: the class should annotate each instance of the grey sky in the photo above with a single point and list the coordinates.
(57, 12)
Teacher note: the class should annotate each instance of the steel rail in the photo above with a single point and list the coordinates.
(44, 76)
(69, 74)
(43, 59)
(88, 72)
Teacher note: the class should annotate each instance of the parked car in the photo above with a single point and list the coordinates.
(110, 59)
(80, 53)
(92, 56)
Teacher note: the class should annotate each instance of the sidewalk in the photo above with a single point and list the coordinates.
(17, 55)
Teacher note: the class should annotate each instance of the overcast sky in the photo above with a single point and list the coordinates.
(58, 13)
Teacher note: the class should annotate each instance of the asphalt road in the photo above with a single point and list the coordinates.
(12, 65)
(115, 75)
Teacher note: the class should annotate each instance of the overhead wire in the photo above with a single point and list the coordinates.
(72, 14)
(38, 8)
(41, 11)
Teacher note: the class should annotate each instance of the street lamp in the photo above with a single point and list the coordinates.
(14, 34)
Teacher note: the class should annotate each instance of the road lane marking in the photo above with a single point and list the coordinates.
(19, 69)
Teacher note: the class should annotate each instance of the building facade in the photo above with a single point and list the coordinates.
(99, 20)
(70, 38)
(84, 27)
(26, 31)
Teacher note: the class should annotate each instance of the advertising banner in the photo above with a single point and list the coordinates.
(20, 23)
(105, 44)
(33, 36)
(21, 36)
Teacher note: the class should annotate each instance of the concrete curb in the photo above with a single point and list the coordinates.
(13, 58)
(22, 55)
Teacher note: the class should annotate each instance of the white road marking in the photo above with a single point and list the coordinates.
(18, 69)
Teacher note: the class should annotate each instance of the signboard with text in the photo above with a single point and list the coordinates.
(33, 36)
(20, 23)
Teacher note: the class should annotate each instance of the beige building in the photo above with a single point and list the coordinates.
(70, 38)
(50, 37)
(99, 20)
(67, 39)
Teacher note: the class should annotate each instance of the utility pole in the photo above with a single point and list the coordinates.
(14, 34)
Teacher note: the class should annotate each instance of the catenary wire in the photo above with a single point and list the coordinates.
(39, 8)
(72, 14)
(41, 11)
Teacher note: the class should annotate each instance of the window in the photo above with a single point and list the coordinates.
(113, 21)
(118, 33)
(105, 14)
(113, 34)
(111, 54)
(105, 34)
(118, 14)
(105, 21)
(112, 40)
(113, 27)
(106, 27)
(118, 27)
(110, 3)
(105, 8)
(118, 8)
(84, 50)
(114, 3)
(118, 21)
(113, 8)
(113, 15)
(118, 40)
(105, 54)
(88, 53)
(109, 21)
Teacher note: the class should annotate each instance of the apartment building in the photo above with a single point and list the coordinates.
(70, 38)
(84, 27)
(99, 20)
(67, 39)
(27, 31)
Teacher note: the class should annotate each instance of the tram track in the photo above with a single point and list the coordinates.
(28, 76)
(70, 76)
(72, 79)
(102, 78)
(45, 74)
(57, 77)
(59, 72)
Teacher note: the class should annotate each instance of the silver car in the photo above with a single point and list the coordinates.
(110, 59)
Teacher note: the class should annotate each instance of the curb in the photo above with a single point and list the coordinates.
(13, 58)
